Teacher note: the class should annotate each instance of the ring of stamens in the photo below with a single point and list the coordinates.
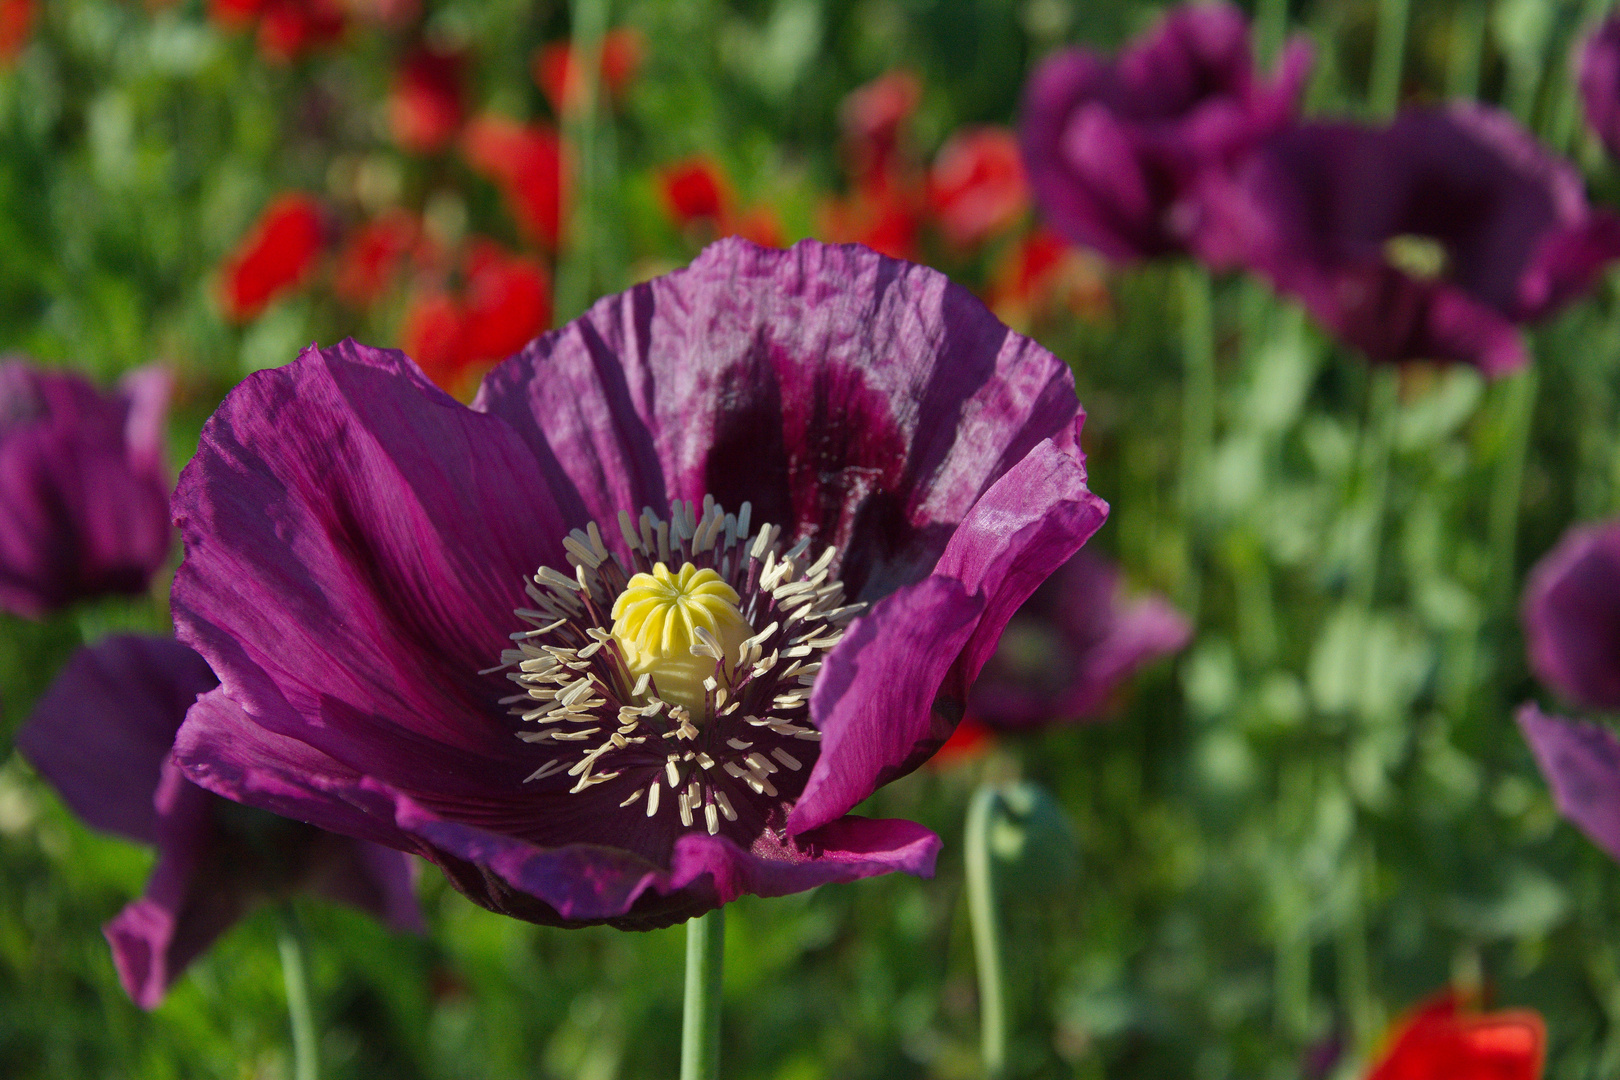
(580, 696)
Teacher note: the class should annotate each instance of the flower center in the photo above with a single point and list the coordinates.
(675, 627)
(1422, 257)
(646, 679)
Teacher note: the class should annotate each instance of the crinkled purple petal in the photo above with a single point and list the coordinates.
(83, 488)
(893, 690)
(1598, 77)
(847, 396)
(103, 730)
(582, 883)
(1083, 636)
(356, 542)
(1581, 762)
(1571, 616)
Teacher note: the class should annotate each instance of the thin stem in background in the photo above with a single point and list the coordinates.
(1197, 414)
(1377, 442)
(984, 916)
(1518, 407)
(581, 120)
(294, 973)
(1389, 59)
(1467, 52)
(1270, 28)
(700, 1019)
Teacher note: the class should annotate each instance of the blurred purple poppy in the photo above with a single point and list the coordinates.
(102, 735)
(1598, 77)
(670, 712)
(1571, 618)
(84, 492)
(1119, 153)
(1431, 238)
(1072, 643)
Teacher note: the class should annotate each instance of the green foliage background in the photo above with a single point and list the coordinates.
(1318, 814)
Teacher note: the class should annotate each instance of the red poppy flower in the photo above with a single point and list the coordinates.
(886, 223)
(695, 190)
(554, 71)
(976, 187)
(426, 106)
(16, 20)
(872, 117)
(525, 162)
(971, 740)
(1439, 1041)
(287, 28)
(1042, 275)
(505, 302)
(373, 254)
(277, 254)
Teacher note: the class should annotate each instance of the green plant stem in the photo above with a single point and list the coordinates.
(581, 120)
(1377, 441)
(1466, 52)
(1518, 407)
(700, 1020)
(294, 973)
(984, 917)
(1197, 412)
(1389, 58)
(1270, 29)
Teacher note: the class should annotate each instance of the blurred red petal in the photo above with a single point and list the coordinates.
(554, 71)
(872, 117)
(525, 162)
(507, 304)
(971, 740)
(275, 256)
(431, 335)
(426, 105)
(976, 187)
(622, 51)
(758, 224)
(694, 190)
(887, 225)
(234, 14)
(1438, 1041)
(372, 255)
(16, 22)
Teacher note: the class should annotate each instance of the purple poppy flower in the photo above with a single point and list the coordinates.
(1077, 638)
(469, 633)
(1431, 238)
(1581, 762)
(1598, 77)
(102, 735)
(1571, 616)
(1119, 152)
(84, 492)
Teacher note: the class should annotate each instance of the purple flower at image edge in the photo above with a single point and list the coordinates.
(1571, 617)
(1598, 78)
(1120, 152)
(102, 735)
(625, 640)
(1071, 645)
(84, 492)
(1434, 237)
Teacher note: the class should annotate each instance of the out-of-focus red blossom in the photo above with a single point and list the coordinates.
(505, 302)
(526, 162)
(1441, 1040)
(976, 188)
(16, 22)
(560, 79)
(886, 223)
(1043, 275)
(427, 104)
(392, 13)
(287, 28)
(873, 117)
(971, 740)
(696, 194)
(373, 254)
(277, 254)
(695, 190)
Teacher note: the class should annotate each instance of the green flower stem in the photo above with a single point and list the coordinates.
(1518, 407)
(985, 918)
(576, 265)
(1377, 442)
(290, 939)
(1389, 57)
(1197, 411)
(1270, 29)
(700, 1022)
